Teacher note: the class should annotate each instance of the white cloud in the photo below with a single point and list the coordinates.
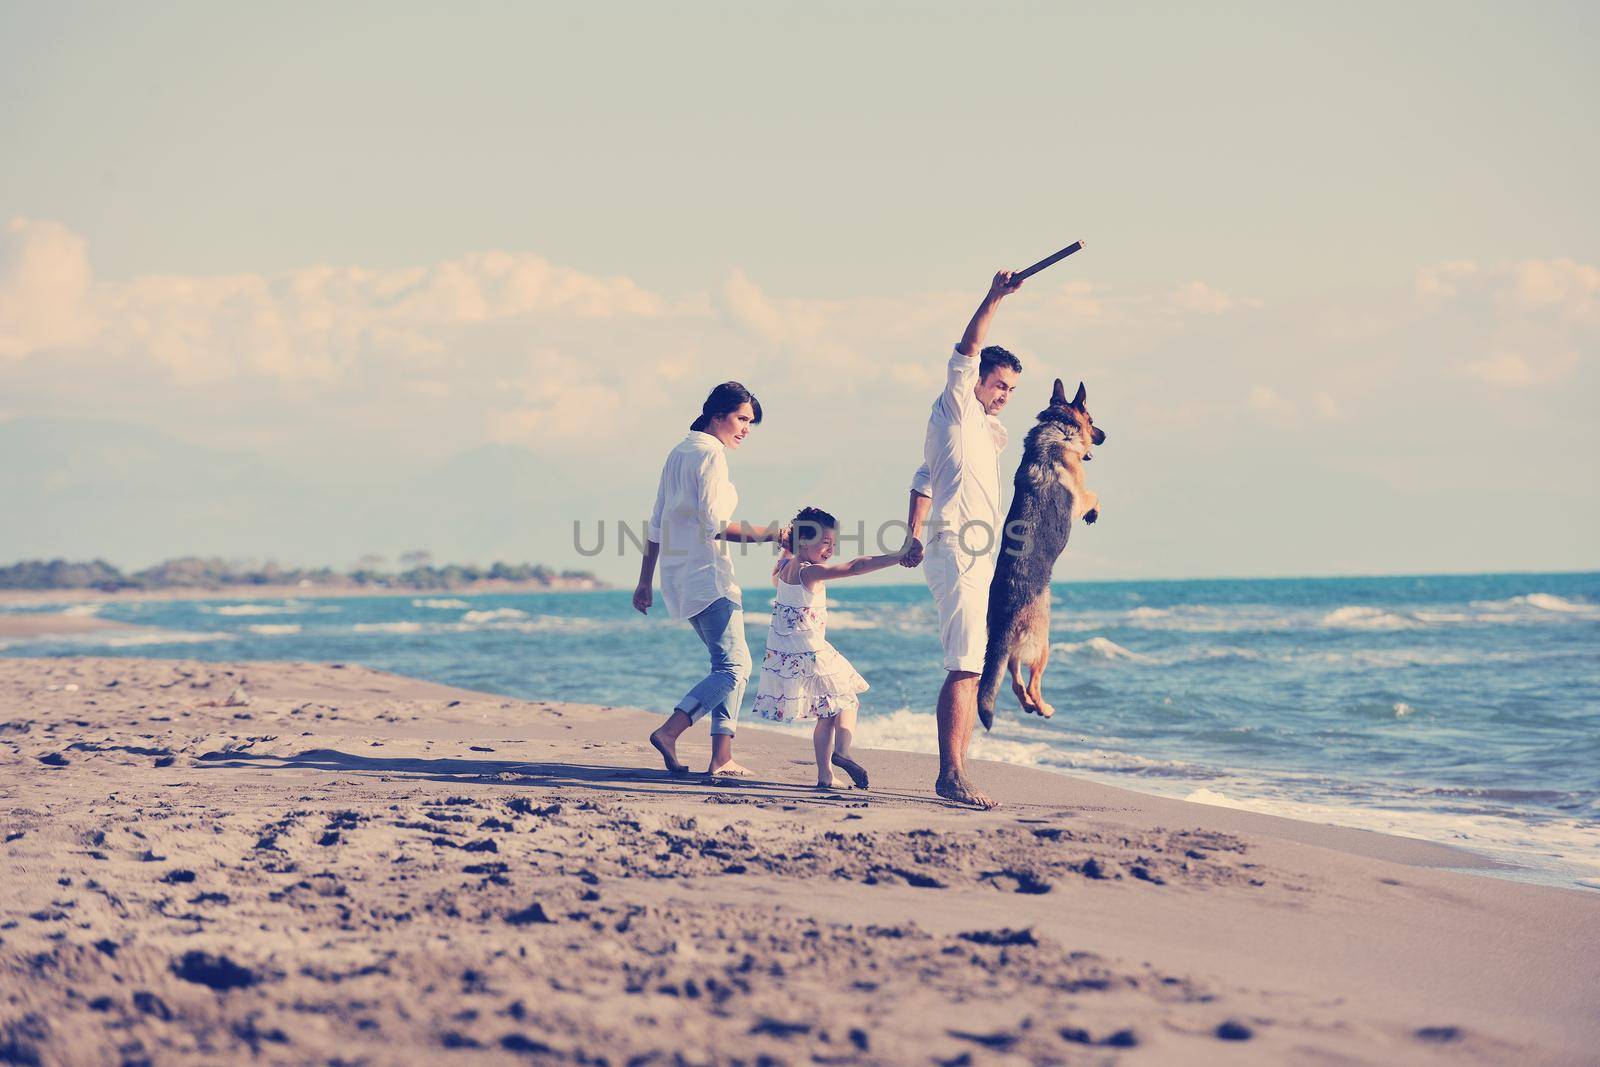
(781, 322)
(44, 288)
(311, 325)
(1201, 299)
(556, 401)
(1537, 320)
(1271, 404)
(1568, 288)
(1513, 370)
(1439, 282)
(507, 347)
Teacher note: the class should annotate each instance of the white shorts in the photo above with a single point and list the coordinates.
(960, 585)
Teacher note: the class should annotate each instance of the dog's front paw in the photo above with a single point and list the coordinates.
(1091, 515)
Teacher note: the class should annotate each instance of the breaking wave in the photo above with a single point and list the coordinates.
(1541, 601)
(537, 624)
(496, 615)
(1098, 649)
(1360, 617)
(164, 637)
(253, 609)
(906, 730)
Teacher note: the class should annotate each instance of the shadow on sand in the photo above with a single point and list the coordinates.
(517, 773)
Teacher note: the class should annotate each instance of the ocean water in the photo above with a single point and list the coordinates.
(1460, 709)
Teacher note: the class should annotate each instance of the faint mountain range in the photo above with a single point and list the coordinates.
(85, 489)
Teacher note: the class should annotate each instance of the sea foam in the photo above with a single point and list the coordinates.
(252, 609)
(1098, 649)
(496, 615)
(388, 627)
(165, 637)
(1361, 617)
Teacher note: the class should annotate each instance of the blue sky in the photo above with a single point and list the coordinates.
(1339, 308)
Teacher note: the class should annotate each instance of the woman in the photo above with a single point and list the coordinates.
(690, 528)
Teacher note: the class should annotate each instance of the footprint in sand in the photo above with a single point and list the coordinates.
(999, 1042)
(1018, 881)
(1439, 1035)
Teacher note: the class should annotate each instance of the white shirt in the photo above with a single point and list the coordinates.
(961, 460)
(693, 504)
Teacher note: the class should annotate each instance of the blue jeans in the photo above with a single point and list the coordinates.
(721, 627)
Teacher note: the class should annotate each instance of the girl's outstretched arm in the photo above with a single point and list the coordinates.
(750, 534)
(812, 573)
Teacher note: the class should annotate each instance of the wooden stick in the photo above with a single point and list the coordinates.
(1043, 263)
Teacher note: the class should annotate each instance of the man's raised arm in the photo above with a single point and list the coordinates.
(972, 341)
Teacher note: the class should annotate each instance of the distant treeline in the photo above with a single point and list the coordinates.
(192, 572)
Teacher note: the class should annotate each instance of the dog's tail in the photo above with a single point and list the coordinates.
(996, 657)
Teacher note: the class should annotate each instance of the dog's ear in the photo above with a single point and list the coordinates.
(1078, 400)
(1058, 396)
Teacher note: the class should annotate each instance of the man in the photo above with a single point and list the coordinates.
(956, 492)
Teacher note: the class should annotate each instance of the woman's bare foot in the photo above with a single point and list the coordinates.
(834, 782)
(731, 770)
(956, 787)
(668, 755)
(857, 773)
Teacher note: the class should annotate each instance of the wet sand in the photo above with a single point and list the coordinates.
(358, 867)
(54, 624)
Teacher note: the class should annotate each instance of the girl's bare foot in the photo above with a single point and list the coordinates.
(731, 770)
(668, 756)
(834, 782)
(857, 773)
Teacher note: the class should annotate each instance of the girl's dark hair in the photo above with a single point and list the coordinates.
(808, 525)
(726, 398)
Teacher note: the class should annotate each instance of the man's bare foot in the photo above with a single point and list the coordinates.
(731, 770)
(668, 756)
(956, 787)
(857, 773)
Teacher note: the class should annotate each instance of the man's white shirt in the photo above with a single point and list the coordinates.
(961, 460)
(694, 503)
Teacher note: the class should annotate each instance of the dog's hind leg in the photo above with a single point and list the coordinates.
(1031, 647)
(1036, 681)
(1016, 684)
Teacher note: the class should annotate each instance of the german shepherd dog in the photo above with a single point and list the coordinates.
(1050, 497)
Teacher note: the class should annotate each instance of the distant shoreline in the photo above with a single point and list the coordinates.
(41, 597)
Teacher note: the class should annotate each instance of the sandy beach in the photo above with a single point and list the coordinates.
(356, 867)
(54, 624)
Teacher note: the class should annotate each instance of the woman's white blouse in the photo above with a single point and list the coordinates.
(695, 501)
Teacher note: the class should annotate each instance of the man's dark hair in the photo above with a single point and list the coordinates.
(995, 356)
(808, 525)
(723, 399)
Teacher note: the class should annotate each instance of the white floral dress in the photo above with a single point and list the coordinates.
(802, 676)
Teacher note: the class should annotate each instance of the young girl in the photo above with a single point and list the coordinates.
(802, 676)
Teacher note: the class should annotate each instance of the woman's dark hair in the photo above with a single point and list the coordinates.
(726, 398)
(808, 525)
